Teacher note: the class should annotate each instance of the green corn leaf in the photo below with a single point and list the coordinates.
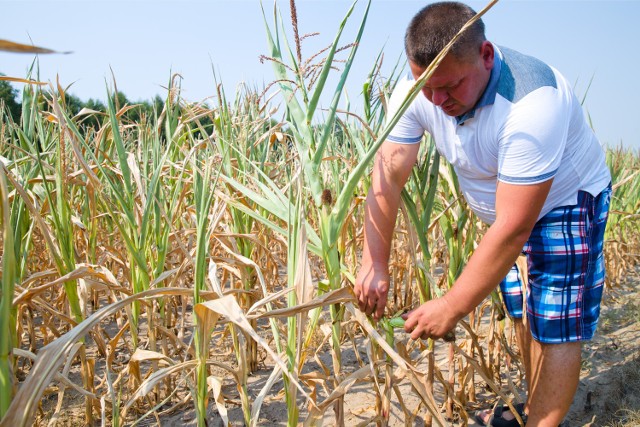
(120, 148)
(7, 319)
(295, 110)
(326, 68)
(329, 121)
(273, 203)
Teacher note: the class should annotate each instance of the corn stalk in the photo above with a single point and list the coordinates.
(242, 137)
(7, 310)
(203, 195)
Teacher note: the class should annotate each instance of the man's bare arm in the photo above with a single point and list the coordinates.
(391, 170)
(517, 210)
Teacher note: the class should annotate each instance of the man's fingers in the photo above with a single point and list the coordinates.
(372, 301)
(362, 303)
(419, 333)
(371, 296)
(413, 327)
(366, 301)
(380, 306)
(410, 322)
(361, 297)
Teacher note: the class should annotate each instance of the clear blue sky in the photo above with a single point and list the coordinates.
(143, 42)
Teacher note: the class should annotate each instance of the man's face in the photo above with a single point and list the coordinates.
(457, 85)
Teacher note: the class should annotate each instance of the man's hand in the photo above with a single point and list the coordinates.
(433, 319)
(371, 289)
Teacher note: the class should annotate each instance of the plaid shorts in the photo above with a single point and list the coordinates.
(566, 272)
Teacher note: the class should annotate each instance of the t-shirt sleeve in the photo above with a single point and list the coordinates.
(533, 139)
(408, 130)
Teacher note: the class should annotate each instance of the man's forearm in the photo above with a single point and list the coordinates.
(517, 210)
(380, 217)
(489, 264)
(390, 172)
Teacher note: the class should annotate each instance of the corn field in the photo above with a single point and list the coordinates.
(155, 267)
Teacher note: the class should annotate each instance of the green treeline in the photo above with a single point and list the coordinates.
(10, 102)
(9, 98)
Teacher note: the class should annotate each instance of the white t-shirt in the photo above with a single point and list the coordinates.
(527, 127)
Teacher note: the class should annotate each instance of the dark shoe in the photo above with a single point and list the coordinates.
(479, 417)
(496, 419)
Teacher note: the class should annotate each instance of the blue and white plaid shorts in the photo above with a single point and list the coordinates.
(566, 272)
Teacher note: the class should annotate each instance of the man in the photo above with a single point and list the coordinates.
(528, 165)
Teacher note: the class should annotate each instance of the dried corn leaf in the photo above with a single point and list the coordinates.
(266, 300)
(35, 215)
(315, 415)
(303, 284)
(82, 271)
(144, 355)
(93, 178)
(21, 412)
(338, 296)
(137, 178)
(488, 380)
(215, 385)
(257, 403)
(62, 378)
(413, 374)
(85, 112)
(208, 314)
(154, 379)
(9, 46)
(19, 80)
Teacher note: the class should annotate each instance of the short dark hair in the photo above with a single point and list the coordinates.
(435, 25)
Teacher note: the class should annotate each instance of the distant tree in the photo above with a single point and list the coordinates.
(121, 100)
(94, 120)
(73, 104)
(9, 97)
(134, 115)
(142, 110)
(147, 109)
(158, 103)
(95, 104)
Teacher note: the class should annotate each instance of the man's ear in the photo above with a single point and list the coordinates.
(487, 53)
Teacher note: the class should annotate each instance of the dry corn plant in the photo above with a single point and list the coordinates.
(150, 267)
(145, 189)
(622, 247)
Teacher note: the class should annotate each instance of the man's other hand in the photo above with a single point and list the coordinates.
(433, 319)
(371, 289)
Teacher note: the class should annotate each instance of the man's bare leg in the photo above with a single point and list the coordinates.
(553, 384)
(552, 372)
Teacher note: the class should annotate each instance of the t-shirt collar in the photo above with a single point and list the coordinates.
(489, 95)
